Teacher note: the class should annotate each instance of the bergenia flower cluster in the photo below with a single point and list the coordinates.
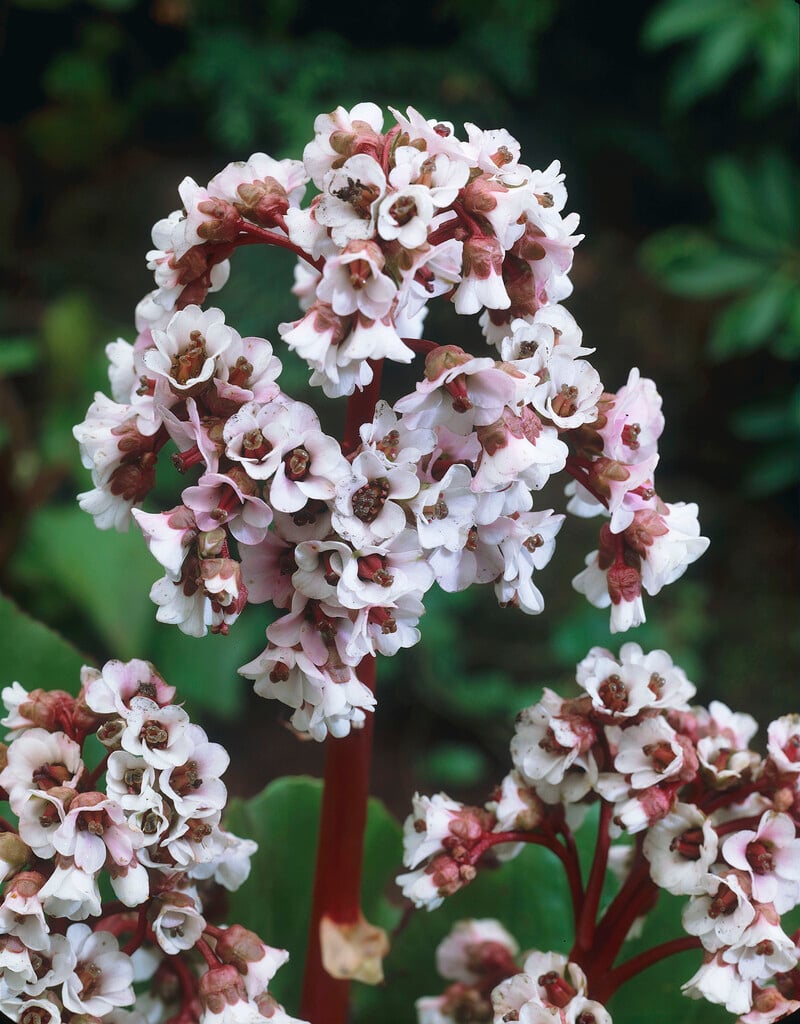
(145, 825)
(346, 536)
(479, 958)
(693, 811)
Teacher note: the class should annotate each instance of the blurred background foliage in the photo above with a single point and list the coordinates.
(673, 121)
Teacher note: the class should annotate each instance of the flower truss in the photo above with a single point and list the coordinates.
(698, 814)
(143, 825)
(346, 537)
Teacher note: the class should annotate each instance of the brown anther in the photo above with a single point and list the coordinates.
(198, 830)
(724, 903)
(89, 976)
(36, 1015)
(656, 684)
(765, 948)
(389, 445)
(565, 402)
(154, 735)
(241, 372)
(185, 778)
(689, 844)
(359, 196)
(419, 825)
(373, 568)
(472, 539)
(383, 618)
(368, 501)
(613, 693)
(188, 364)
(792, 748)
(46, 776)
(502, 157)
(255, 445)
(280, 673)
(151, 823)
(437, 511)
(587, 1017)
(402, 210)
(549, 743)
(661, 754)
(533, 542)
(91, 821)
(559, 992)
(133, 778)
(545, 200)
(630, 435)
(442, 130)
(528, 349)
(360, 272)
(297, 462)
(760, 857)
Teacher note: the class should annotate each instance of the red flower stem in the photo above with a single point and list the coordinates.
(94, 775)
(343, 819)
(272, 238)
(139, 935)
(421, 345)
(731, 796)
(187, 981)
(584, 937)
(205, 951)
(607, 985)
(577, 471)
(737, 824)
(572, 866)
(638, 876)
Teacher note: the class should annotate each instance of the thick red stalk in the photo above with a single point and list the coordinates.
(607, 984)
(584, 938)
(337, 877)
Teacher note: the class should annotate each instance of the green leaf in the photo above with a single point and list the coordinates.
(33, 654)
(736, 191)
(777, 468)
(454, 764)
(106, 575)
(677, 19)
(746, 324)
(688, 262)
(17, 355)
(276, 900)
(714, 58)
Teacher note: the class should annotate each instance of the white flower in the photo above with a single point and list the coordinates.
(178, 923)
(103, 975)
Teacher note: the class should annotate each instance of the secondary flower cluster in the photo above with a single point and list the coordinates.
(712, 820)
(150, 831)
(438, 488)
(489, 987)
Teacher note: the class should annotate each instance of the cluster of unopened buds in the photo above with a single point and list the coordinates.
(348, 536)
(689, 809)
(144, 825)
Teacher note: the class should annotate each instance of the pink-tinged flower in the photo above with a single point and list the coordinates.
(177, 923)
(431, 821)
(769, 1005)
(187, 354)
(16, 968)
(231, 499)
(482, 277)
(515, 805)
(70, 892)
(111, 690)
(366, 508)
(354, 281)
(22, 912)
(159, 735)
(103, 976)
(406, 215)
(445, 510)
(652, 753)
(369, 338)
(634, 421)
(549, 743)
(472, 949)
(131, 781)
(382, 629)
(93, 829)
(762, 950)
(527, 543)
(256, 962)
(518, 447)
(248, 371)
(341, 131)
(261, 188)
(681, 849)
(267, 571)
(720, 983)
(168, 535)
(671, 548)
(783, 744)
(195, 787)
(720, 915)
(232, 868)
(770, 855)
(616, 585)
(40, 760)
(351, 195)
